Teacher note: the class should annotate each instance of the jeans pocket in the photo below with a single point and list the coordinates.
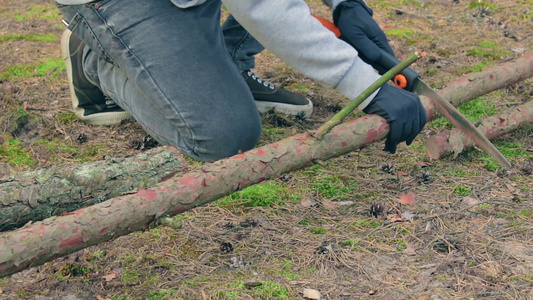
(80, 27)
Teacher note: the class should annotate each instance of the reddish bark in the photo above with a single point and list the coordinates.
(58, 236)
(454, 141)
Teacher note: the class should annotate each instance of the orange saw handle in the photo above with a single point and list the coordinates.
(405, 80)
(329, 25)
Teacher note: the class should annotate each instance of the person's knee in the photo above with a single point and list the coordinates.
(226, 141)
(213, 140)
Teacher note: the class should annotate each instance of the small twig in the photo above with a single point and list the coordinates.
(382, 226)
(455, 212)
(493, 201)
(337, 119)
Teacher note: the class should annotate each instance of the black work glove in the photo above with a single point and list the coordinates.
(404, 112)
(358, 28)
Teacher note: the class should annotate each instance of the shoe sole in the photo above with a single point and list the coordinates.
(287, 109)
(108, 118)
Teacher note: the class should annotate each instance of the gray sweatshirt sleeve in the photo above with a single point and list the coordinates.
(287, 29)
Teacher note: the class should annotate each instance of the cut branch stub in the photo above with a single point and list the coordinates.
(453, 142)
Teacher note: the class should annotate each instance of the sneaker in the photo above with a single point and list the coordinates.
(268, 97)
(88, 101)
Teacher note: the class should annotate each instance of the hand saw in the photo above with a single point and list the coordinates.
(411, 81)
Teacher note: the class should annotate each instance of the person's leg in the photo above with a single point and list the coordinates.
(88, 102)
(242, 47)
(170, 69)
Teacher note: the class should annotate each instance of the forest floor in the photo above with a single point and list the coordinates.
(468, 235)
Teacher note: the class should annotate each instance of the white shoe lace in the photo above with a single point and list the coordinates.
(261, 81)
(109, 102)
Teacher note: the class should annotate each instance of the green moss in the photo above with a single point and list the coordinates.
(461, 191)
(445, 52)
(303, 88)
(413, 2)
(284, 271)
(67, 118)
(91, 153)
(48, 12)
(161, 295)
(329, 186)
(304, 222)
(487, 53)
(378, 4)
(59, 148)
(319, 230)
(400, 33)
(404, 230)
(482, 4)
(472, 110)
(528, 213)
(512, 149)
(267, 194)
(459, 173)
(14, 152)
(271, 290)
(475, 68)
(369, 223)
(477, 109)
(351, 242)
(526, 16)
(230, 295)
(275, 133)
(131, 276)
(55, 146)
(29, 37)
(49, 66)
(488, 44)
(491, 165)
(488, 49)
(484, 205)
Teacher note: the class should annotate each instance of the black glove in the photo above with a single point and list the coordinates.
(404, 112)
(354, 19)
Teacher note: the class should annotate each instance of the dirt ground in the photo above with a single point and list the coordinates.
(333, 227)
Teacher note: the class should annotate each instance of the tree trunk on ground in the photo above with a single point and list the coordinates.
(454, 141)
(36, 195)
(58, 236)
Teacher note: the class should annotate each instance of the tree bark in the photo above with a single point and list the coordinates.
(40, 194)
(58, 236)
(453, 142)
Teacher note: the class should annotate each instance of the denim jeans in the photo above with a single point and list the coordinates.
(170, 68)
(241, 45)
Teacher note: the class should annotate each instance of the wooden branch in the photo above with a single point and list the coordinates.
(40, 194)
(453, 142)
(58, 236)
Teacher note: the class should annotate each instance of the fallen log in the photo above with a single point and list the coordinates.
(43, 241)
(37, 195)
(453, 142)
